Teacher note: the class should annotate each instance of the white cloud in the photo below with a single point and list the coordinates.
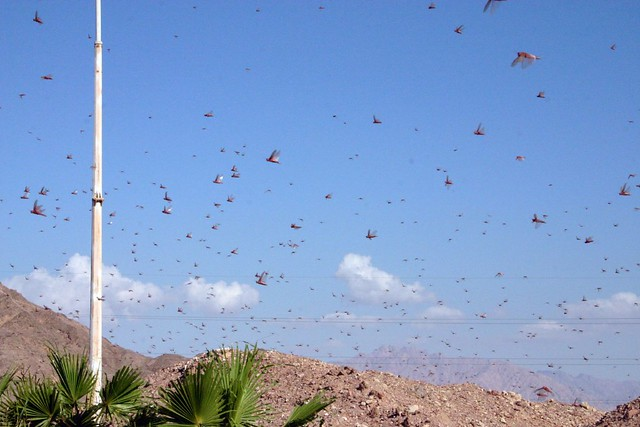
(339, 315)
(372, 285)
(548, 326)
(591, 316)
(347, 317)
(619, 305)
(68, 291)
(438, 312)
(219, 296)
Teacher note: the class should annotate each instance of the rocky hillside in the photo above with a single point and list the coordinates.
(27, 329)
(626, 415)
(371, 398)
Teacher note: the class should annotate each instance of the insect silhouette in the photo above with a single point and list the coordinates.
(537, 221)
(274, 157)
(624, 190)
(37, 209)
(447, 182)
(543, 391)
(492, 4)
(262, 278)
(525, 59)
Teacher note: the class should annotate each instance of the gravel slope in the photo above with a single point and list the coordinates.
(377, 399)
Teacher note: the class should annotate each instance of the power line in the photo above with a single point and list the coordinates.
(393, 320)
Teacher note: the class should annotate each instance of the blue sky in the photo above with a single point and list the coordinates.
(458, 269)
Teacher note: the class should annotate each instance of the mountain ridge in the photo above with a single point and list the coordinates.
(438, 369)
(27, 331)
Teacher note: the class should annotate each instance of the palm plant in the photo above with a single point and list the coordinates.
(307, 412)
(65, 401)
(146, 416)
(194, 400)
(5, 401)
(36, 403)
(74, 385)
(121, 396)
(5, 382)
(225, 392)
(240, 375)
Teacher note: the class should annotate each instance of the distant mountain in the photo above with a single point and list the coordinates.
(497, 375)
(26, 329)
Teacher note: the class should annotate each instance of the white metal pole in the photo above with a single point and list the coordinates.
(95, 345)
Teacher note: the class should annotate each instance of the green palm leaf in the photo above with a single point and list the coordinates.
(36, 403)
(75, 379)
(8, 404)
(82, 418)
(5, 403)
(146, 416)
(120, 396)
(305, 413)
(195, 400)
(241, 379)
(5, 381)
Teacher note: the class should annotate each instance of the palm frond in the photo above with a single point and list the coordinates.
(36, 403)
(241, 378)
(86, 417)
(120, 396)
(195, 400)
(146, 416)
(5, 381)
(75, 379)
(5, 402)
(305, 413)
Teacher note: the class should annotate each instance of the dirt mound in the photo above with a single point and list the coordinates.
(370, 398)
(627, 415)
